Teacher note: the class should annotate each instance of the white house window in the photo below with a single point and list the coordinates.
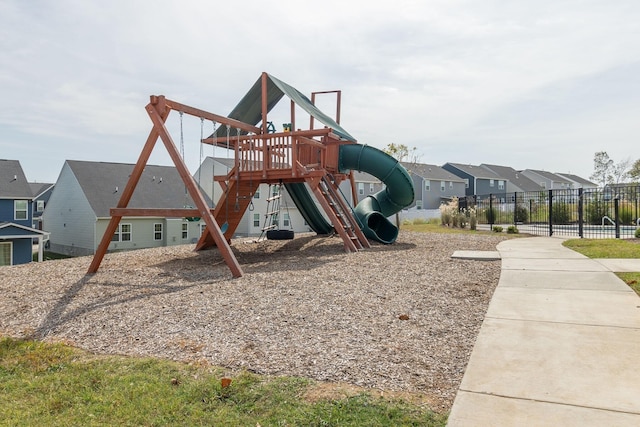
(122, 234)
(360, 188)
(418, 204)
(202, 228)
(20, 209)
(39, 205)
(450, 184)
(427, 185)
(157, 231)
(500, 185)
(285, 220)
(256, 220)
(256, 195)
(274, 191)
(442, 186)
(185, 230)
(5, 253)
(466, 183)
(543, 184)
(371, 187)
(492, 183)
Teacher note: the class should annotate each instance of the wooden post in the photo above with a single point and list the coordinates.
(129, 188)
(194, 192)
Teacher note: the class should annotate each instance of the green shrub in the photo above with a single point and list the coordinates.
(625, 214)
(637, 233)
(521, 214)
(419, 221)
(512, 229)
(595, 210)
(491, 214)
(473, 221)
(497, 229)
(462, 220)
(445, 218)
(560, 213)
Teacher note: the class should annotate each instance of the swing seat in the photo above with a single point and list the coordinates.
(280, 234)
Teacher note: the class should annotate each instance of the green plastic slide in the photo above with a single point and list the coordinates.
(372, 212)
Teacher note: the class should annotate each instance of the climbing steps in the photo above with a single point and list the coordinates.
(339, 212)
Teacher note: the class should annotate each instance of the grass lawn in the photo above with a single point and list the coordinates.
(58, 385)
(610, 248)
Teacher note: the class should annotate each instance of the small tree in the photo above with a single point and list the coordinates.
(634, 172)
(602, 168)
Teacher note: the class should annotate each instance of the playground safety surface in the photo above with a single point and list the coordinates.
(401, 317)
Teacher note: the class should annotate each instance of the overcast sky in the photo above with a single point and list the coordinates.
(532, 84)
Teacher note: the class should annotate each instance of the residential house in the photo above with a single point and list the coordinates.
(548, 180)
(16, 234)
(479, 180)
(578, 181)
(433, 185)
(41, 193)
(77, 214)
(366, 185)
(516, 181)
(257, 216)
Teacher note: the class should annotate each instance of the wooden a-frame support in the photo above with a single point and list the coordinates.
(158, 110)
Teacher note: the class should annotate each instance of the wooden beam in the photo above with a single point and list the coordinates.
(160, 100)
(158, 212)
(194, 192)
(127, 193)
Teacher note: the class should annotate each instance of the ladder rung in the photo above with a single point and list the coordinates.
(272, 213)
(271, 227)
(270, 199)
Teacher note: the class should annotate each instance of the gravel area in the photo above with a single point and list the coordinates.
(396, 318)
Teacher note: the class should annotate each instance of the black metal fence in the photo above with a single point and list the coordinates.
(612, 212)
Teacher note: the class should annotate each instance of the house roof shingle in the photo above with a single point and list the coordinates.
(476, 171)
(577, 179)
(515, 177)
(13, 183)
(103, 183)
(434, 172)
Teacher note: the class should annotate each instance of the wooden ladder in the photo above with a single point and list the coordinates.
(340, 213)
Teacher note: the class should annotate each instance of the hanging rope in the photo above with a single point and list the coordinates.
(186, 192)
(213, 169)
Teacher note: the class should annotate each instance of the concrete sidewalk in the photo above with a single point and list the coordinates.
(559, 346)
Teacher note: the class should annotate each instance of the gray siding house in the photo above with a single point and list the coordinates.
(578, 181)
(479, 180)
(548, 180)
(433, 185)
(77, 214)
(516, 181)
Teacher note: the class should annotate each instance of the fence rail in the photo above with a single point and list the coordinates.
(612, 212)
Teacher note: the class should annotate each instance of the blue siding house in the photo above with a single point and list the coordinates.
(16, 207)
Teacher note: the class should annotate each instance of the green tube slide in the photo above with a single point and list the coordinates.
(372, 212)
(307, 207)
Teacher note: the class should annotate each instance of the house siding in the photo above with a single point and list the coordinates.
(7, 211)
(468, 191)
(69, 217)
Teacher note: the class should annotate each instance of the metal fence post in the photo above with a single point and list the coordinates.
(491, 215)
(615, 216)
(580, 214)
(550, 212)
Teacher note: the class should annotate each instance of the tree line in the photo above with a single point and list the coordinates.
(607, 172)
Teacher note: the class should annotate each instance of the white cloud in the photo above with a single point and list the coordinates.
(450, 77)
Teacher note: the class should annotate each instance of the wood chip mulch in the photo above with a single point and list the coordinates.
(398, 318)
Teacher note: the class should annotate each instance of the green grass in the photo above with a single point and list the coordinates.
(47, 256)
(631, 279)
(58, 385)
(605, 248)
(610, 248)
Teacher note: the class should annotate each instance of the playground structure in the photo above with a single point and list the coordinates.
(302, 160)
